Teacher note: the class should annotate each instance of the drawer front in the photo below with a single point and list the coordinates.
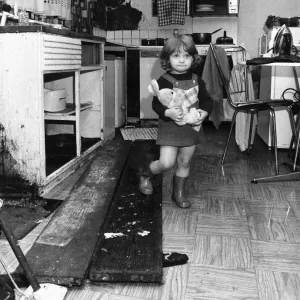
(61, 53)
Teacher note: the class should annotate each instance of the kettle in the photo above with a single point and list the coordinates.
(224, 39)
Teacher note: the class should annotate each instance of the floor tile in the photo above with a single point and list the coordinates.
(278, 285)
(222, 225)
(218, 205)
(276, 256)
(178, 220)
(223, 251)
(221, 284)
(180, 243)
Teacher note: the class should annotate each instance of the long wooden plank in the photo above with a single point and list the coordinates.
(130, 245)
(64, 249)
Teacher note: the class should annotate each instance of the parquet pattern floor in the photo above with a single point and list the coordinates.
(242, 239)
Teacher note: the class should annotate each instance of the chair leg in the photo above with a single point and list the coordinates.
(296, 128)
(297, 149)
(229, 136)
(274, 139)
(250, 132)
(295, 138)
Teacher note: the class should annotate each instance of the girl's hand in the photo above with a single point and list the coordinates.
(175, 113)
(203, 115)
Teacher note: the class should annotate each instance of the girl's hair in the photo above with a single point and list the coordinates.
(175, 44)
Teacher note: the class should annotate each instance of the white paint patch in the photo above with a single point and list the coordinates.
(111, 235)
(143, 233)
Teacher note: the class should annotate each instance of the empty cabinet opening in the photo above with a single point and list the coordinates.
(69, 132)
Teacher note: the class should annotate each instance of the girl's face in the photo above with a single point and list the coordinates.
(180, 61)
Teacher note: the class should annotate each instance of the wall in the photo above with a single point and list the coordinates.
(253, 15)
(244, 29)
(148, 26)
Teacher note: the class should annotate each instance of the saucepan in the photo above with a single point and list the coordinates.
(224, 39)
(203, 37)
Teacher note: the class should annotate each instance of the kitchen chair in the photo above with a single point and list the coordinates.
(295, 140)
(252, 107)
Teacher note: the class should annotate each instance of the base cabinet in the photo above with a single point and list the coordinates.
(274, 80)
(40, 60)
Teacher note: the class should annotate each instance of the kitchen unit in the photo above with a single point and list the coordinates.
(115, 106)
(38, 58)
(149, 69)
(204, 8)
(275, 78)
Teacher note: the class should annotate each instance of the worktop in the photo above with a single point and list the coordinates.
(49, 30)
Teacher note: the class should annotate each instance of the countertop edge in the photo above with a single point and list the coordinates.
(49, 30)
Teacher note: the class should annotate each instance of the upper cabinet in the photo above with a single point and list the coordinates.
(207, 8)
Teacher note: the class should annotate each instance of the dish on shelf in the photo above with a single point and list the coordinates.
(55, 101)
(204, 7)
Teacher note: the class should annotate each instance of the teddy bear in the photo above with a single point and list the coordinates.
(170, 98)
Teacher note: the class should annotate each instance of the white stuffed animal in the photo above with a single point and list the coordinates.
(170, 98)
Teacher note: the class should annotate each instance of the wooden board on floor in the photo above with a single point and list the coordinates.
(63, 251)
(130, 245)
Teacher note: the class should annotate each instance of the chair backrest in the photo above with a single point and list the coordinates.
(297, 92)
(296, 79)
(234, 85)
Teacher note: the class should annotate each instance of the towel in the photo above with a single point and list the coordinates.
(213, 82)
(240, 76)
(170, 12)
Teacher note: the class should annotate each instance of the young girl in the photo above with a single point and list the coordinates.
(177, 143)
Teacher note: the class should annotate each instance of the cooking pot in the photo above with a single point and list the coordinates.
(55, 100)
(203, 38)
(224, 39)
(160, 42)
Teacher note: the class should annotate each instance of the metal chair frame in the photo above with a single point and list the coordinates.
(296, 136)
(253, 107)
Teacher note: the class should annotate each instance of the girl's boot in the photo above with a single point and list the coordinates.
(145, 184)
(178, 192)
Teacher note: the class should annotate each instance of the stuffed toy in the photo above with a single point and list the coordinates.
(170, 98)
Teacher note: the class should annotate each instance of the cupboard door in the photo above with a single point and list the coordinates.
(109, 101)
(61, 53)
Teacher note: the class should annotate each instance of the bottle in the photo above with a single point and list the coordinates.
(16, 10)
(175, 32)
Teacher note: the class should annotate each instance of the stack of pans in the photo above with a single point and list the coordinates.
(153, 42)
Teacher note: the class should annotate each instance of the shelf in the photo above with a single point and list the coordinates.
(222, 8)
(91, 68)
(219, 11)
(67, 114)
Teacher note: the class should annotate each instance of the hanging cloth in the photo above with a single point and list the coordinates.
(214, 84)
(171, 12)
(241, 80)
